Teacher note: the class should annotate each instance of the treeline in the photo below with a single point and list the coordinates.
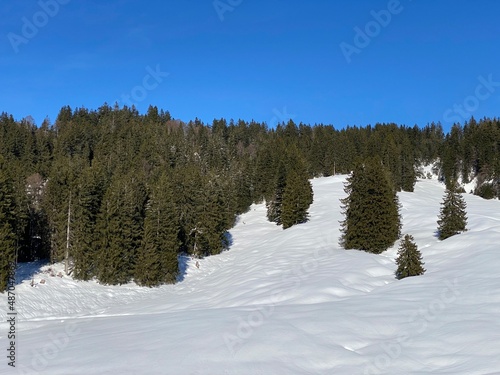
(473, 150)
(118, 195)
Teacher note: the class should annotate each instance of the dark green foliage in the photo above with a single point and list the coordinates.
(213, 222)
(61, 189)
(69, 180)
(486, 190)
(450, 157)
(293, 195)
(157, 256)
(372, 222)
(408, 175)
(88, 197)
(8, 245)
(297, 197)
(409, 259)
(275, 203)
(453, 215)
(119, 230)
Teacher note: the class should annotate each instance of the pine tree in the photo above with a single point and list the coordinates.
(372, 222)
(453, 215)
(157, 256)
(297, 197)
(7, 227)
(409, 259)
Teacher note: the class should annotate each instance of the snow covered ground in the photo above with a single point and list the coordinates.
(282, 302)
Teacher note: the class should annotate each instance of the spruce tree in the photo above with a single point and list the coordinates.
(86, 209)
(372, 222)
(297, 197)
(214, 221)
(157, 256)
(408, 175)
(7, 227)
(119, 230)
(274, 205)
(453, 215)
(409, 259)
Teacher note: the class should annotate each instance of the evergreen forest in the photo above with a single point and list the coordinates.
(118, 195)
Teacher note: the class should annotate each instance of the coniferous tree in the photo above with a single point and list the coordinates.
(453, 215)
(297, 197)
(38, 235)
(275, 204)
(59, 193)
(246, 163)
(409, 259)
(157, 256)
(264, 174)
(22, 222)
(86, 209)
(372, 222)
(408, 175)
(7, 227)
(213, 221)
(119, 230)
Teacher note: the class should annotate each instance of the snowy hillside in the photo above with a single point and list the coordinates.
(283, 302)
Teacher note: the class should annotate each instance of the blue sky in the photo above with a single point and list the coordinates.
(408, 61)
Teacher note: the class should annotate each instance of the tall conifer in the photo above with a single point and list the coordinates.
(7, 227)
(371, 209)
(297, 197)
(453, 215)
(157, 256)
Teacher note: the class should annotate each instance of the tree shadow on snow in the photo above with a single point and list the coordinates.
(185, 260)
(26, 271)
(229, 240)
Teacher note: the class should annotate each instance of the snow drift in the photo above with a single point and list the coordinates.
(282, 302)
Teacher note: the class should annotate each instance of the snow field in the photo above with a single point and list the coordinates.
(283, 302)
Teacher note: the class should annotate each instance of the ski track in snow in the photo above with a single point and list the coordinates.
(282, 302)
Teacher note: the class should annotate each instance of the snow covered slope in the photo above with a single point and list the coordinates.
(283, 302)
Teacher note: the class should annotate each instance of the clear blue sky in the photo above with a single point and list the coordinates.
(255, 59)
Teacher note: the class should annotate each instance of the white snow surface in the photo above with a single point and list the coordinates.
(281, 302)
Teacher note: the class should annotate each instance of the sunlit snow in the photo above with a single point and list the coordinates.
(282, 302)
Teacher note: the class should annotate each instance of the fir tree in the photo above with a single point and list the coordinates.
(372, 222)
(157, 256)
(408, 175)
(7, 227)
(87, 204)
(212, 219)
(119, 230)
(274, 205)
(409, 259)
(297, 197)
(453, 215)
